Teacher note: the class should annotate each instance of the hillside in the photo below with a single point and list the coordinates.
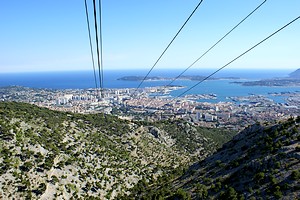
(261, 162)
(295, 74)
(293, 80)
(48, 154)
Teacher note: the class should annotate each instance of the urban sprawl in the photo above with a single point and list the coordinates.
(155, 103)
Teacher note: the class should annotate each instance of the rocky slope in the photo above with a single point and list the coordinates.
(261, 162)
(54, 155)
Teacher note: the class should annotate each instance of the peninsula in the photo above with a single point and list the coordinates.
(158, 78)
(292, 81)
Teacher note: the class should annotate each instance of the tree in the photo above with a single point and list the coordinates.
(277, 193)
(230, 194)
(259, 177)
(201, 191)
(181, 195)
(295, 175)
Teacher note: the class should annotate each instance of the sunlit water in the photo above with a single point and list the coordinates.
(222, 88)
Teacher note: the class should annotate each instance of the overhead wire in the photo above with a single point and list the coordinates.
(236, 58)
(168, 46)
(98, 49)
(215, 44)
(90, 41)
(177, 77)
(101, 46)
(100, 54)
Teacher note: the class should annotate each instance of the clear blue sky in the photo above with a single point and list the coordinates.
(51, 35)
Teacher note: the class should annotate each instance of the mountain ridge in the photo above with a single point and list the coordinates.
(261, 162)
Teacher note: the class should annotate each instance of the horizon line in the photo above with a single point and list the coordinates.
(138, 69)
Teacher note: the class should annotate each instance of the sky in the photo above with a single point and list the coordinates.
(51, 35)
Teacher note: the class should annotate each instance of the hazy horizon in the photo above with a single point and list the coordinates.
(156, 69)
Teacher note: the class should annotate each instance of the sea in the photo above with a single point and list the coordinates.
(223, 88)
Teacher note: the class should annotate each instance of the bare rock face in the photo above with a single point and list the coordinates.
(154, 131)
(161, 136)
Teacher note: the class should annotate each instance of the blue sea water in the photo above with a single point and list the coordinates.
(85, 79)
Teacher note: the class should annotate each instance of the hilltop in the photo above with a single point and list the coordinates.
(295, 74)
(292, 81)
(261, 162)
(48, 154)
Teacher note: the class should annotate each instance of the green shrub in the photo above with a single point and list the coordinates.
(201, 191)
(230, 194)
(259, 177)
(295, 175)
(181, 194)
(277, 193)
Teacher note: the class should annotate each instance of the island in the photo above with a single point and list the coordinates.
(158, 78)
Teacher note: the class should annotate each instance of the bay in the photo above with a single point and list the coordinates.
(222, 88)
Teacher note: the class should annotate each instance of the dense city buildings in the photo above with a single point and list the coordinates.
(155, 103)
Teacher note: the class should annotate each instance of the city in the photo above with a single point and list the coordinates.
(155, 103)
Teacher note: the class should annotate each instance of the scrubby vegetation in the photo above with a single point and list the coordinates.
(49, 154)
(261, 162)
